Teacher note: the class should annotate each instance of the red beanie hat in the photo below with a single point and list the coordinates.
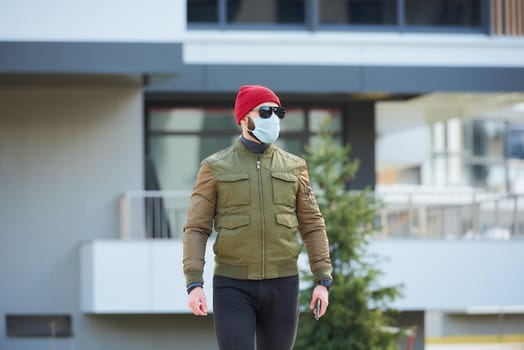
(250, 96)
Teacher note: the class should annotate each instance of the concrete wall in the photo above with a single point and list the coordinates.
(97, 20)
(454, 275)
(66, 154)
(451, 276)
(441, 324)
(136, 276)
(352, 48)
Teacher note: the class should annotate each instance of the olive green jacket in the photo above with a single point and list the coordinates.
(257, 204)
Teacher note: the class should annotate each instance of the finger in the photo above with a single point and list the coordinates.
(194, 308)
(197, 311)
(203, 306)
(194, 305)
(200, 306)
(323, 308)
(312, 303)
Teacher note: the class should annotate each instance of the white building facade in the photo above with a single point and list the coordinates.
(107, 105)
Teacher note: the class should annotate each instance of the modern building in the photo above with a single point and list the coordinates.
(107, 107)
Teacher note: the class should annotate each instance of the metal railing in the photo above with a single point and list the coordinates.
(153, 214)
(440, 215)
(452, 215)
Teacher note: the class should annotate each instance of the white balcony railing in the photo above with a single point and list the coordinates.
(153, 214)
(413, 214)
(457, 215)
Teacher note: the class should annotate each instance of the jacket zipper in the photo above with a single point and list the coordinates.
(262, 217)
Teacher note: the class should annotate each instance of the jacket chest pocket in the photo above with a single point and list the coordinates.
(233, 189)
(285, 187)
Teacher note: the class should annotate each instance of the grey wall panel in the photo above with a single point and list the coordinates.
(166, 58)
(497, 324)
(66, 154)
(139, 332)
(296, 79)
(292, 79)
(89, 57)
(342, 79)
(427, 79)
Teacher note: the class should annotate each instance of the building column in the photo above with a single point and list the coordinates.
(359, 131)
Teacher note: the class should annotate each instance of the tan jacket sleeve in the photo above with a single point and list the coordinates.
(313, 229)
(199, 224)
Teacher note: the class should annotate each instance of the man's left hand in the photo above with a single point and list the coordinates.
(320, 292)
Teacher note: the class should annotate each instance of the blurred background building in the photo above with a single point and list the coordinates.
(107, 108)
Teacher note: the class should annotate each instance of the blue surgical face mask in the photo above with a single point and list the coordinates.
(266, 130)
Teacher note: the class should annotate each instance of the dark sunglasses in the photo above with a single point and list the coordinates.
(266, 111)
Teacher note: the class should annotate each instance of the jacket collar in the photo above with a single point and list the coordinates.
(239, 146)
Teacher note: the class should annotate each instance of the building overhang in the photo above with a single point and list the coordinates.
(164, 70)
(96, 58)
(326, 80)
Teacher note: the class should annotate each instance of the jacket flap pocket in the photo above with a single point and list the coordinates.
(233, 221)
(284, 176)
(232, 177)
(289, 220)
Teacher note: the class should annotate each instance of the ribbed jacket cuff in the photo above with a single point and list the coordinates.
(194, 276)
(322, 275)
(193, 285)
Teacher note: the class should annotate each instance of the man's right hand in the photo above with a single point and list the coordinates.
(197, 301)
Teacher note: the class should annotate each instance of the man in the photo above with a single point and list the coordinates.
(257, 196)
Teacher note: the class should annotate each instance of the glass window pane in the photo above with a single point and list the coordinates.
(397, 161)
(443, 12)
(267, 11)
(202, 11)
(486, 139)
(176, 158)
(378, 12)
(167, 157)
(491, 177)
(317, 116)
(515, 141)
(293, 121)
(293, 145)
(314, 141)
(193, 119)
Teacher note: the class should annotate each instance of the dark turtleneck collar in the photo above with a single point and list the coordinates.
(254, 147)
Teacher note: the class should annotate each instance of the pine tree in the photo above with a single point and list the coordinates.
(359, 313)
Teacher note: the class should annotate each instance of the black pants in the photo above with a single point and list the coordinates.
(267, 308)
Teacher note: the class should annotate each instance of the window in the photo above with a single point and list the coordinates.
(202, 11)
(374, 12)
(179, 138)
(515, 141)
(246, 12)
(185, 136)
(443, 12)
(268, 11)
(397, 15)
(484, 153)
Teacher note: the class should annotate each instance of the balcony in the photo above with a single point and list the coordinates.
(409, 212)
(465, 248)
